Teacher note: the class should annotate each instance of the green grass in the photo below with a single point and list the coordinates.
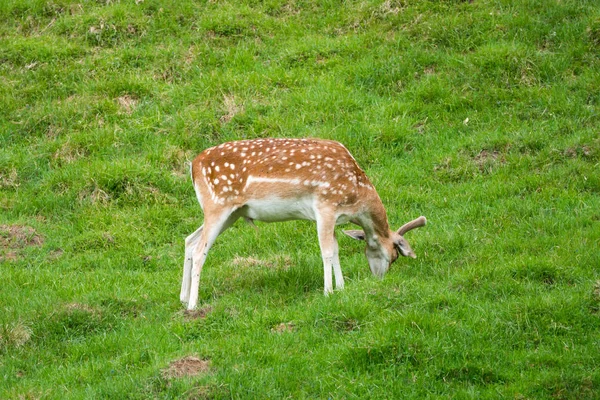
(482, 116)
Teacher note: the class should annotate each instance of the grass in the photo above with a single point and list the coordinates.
(482, 116)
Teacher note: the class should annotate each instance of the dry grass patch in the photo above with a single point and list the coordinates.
(127, 103)
(14, 335)
(231, 108)
(9, 179)
(278, 261)
(186, 367)
(68, 153)
(94, 194)
(81, 307)
(284, 327)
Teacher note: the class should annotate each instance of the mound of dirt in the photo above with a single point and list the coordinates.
(16, 237)
(186, 366)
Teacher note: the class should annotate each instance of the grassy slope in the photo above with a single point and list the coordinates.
(481, 115)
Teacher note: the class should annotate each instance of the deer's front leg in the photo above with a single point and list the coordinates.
(328, 244)
(337, 269)
(190, 244)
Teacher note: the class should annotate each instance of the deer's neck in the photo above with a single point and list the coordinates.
(374, 220)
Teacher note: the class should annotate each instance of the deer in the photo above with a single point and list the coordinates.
(273, 180)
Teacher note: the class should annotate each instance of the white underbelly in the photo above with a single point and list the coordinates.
(274, 209)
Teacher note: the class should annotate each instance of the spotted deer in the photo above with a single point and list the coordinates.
(286, 179)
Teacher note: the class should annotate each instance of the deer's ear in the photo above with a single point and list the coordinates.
(355, 234)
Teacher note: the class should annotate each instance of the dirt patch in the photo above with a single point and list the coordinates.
(199, 313)
(18, 237)
(485, 156)
(578, 151)
(284, 327)
(9, 256)
(186, 366)
(486, 160)
(14, 238)
(128, 103)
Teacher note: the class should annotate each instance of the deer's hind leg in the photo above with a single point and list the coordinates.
(190, 244)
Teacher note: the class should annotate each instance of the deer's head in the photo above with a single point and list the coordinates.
(382, 252)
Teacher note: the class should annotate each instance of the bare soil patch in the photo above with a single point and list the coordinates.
(578, 151)
(199, 313)
(487, 160)
(9, 256)
(17, 237)
(186, 367)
